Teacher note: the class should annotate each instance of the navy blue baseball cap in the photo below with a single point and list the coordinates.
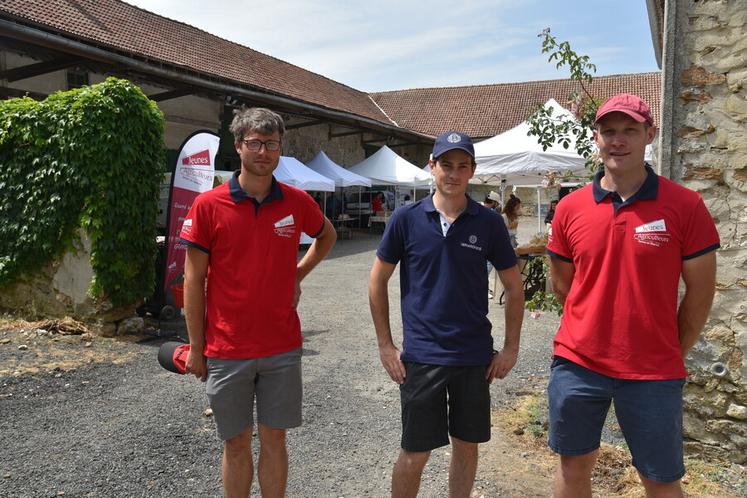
(453, 140)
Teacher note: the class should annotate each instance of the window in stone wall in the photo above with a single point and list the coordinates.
(77, 78)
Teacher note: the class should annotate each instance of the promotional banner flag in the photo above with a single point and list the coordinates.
(193, 174)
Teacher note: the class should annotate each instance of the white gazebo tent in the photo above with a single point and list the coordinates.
(516, 155)
(385, 167)
(342, 177)
(293, 172)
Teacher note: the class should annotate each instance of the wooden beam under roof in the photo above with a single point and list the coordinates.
(296, 126)
(39, 68)
(10, 93)
(172, 94)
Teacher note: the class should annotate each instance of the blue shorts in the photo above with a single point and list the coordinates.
(649, 413)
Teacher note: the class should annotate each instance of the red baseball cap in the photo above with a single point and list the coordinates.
(630, 104)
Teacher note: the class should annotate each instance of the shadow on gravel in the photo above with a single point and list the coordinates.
(312, 333)
(362, 241)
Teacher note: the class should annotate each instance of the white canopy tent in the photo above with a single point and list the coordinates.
(342, 177)
(293, 172)
(385, 167)
(515, 156)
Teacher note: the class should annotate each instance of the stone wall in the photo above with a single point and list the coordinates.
(305, 143)
(704, 146)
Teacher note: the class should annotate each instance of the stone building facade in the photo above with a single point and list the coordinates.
(704, 147)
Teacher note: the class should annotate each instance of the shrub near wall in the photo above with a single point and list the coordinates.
(90, 158)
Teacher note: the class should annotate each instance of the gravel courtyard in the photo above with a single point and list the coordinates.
(108, 421)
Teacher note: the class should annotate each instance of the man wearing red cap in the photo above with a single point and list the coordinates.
(618, 248)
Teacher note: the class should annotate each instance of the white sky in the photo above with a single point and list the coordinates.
(392, 45)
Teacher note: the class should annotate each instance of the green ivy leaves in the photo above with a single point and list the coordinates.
(91, 158)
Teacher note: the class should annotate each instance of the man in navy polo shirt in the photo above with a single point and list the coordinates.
(447, 360)
(241, 289)
(618, 248)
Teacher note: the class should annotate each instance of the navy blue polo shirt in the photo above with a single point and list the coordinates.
(444, 282)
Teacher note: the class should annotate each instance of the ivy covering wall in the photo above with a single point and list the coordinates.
(89, 158)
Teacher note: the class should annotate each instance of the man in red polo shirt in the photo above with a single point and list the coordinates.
(618, 248)
(241, 288)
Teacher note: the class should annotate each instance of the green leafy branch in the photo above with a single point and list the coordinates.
(541, 300)
(583, 105)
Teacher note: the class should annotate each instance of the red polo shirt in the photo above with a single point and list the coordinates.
(253, 250)
(620, 316)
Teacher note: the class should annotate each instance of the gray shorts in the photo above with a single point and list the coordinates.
(275, 381)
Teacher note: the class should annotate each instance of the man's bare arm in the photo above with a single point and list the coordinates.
(317, 251)
(699, 275)
(561, 277)
(195, 273)
(505, 359)
(378, 298)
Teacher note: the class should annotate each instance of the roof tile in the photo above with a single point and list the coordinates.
(129, 29)
(487, 110)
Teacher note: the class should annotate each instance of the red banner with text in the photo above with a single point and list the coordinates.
(193, 174)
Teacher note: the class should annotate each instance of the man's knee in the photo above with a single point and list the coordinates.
(270, 438)
(462, 446)
(658, 489)
(413, 460)
(239, 444)
(578, 466)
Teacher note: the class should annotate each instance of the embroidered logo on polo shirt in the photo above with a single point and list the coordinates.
(186, 227)
(653, 226)
(653, 233)
(285, 227)
(472, 241)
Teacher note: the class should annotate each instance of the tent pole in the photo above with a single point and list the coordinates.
(539, 210)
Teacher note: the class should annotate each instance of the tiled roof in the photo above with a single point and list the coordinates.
(142, 34)
(486, 110)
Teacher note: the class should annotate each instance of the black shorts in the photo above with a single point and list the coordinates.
(438, 401)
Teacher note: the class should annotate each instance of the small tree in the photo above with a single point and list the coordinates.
(583, 105)
(550, 130)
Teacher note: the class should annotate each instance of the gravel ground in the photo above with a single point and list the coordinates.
(108, 421)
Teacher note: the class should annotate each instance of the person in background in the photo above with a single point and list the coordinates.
(319, 200)
(447, 360)
(618, 248)
(377, 203)
(491, 202)
(511, 218)
(550, 213)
